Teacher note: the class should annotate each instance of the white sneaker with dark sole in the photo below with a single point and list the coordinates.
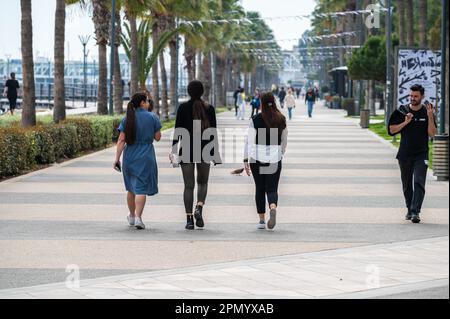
(261, 225)
(130, 220)
(138, 223)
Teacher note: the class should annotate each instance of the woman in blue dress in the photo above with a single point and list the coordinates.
(140, 171)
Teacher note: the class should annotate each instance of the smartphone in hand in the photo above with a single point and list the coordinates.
(118, 167)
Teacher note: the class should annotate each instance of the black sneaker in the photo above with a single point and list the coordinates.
(415, 218)
(189, 222)
(198, 216)
(408, 215)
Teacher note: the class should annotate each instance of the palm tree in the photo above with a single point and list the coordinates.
(29, 98)
(423, 14)
(410, 23)
(134, 8)
(101, 18)
(59, 112)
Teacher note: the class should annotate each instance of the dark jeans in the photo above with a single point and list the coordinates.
(189, 183)
(254, 109)
(265, 184)
(414, 175)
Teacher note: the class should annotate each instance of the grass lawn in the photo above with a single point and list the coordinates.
(380, 130)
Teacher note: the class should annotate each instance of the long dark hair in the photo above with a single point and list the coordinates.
(130, 125)
(271, 115)
(199, 107)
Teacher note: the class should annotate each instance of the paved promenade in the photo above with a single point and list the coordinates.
(340, 234)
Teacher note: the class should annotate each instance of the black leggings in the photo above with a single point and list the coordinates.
(266, 184)
(189, 183)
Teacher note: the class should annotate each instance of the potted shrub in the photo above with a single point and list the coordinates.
(336, 102)
(348, 104)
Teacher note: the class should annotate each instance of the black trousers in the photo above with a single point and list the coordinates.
(414, 175)
(12, 102)
(266, 183)
(189, 183)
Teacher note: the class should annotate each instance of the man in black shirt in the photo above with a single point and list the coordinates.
(282, 96)
(416, 123)
(11, 87)
(235, 96)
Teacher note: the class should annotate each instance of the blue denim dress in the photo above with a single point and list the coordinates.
(140, 170)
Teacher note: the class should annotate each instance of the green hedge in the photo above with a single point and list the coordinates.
(46, 143)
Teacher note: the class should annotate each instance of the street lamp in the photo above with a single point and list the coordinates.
(388, 63)
(84, 41)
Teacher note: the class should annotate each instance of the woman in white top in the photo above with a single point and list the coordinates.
(265, 145)
(290, 102)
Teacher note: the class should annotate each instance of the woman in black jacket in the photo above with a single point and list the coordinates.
(195, 119)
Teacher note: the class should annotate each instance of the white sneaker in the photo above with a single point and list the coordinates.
(261, 225)
(138, 223)
(130, 220)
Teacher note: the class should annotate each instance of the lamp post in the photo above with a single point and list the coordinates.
(111, 67)
(388, 63)
(84, 41)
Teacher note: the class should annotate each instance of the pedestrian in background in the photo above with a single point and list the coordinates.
(138, 130)
(241, 104)
(282, 96)
(290, 102)
(235, 96)
(310, 99)
(11, 92)
(255, 102)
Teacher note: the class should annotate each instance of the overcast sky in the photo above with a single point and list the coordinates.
(79, 23)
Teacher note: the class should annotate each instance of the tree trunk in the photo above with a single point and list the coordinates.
(29, 98)
(220, 70)
(101, 17)
(173, 72)
(372, 95)
(155, 79)
(164, 97)
(134, 81)
(198, 64)
(162, 69)
(401, 22)
(118, 87)
(253, 81)
(206, 76)
(410, 23)
(102, 99)
(59, 112)
(423, 14)
(189, 54)
(246, 83)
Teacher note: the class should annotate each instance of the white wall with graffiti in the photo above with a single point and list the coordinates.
(418, 67)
